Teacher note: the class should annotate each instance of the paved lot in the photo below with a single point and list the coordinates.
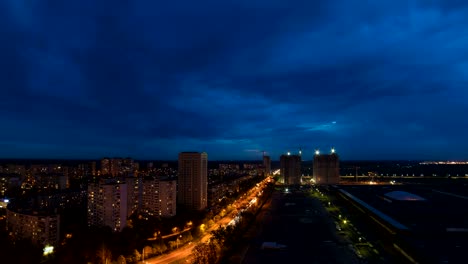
(301, 223)
(427, 238)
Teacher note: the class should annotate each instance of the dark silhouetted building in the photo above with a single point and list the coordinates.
(192, 190)
(326, 168)
(291, 169)
(267, 164)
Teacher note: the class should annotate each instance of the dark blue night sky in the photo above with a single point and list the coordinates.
(148, 79)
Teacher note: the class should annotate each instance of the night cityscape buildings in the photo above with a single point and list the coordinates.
(291, 168)
(111, 201)
(159, 196)
(267, 164)
(100, 99)
(192, 189)
(326, 168)
(107, 204)
(40, 227)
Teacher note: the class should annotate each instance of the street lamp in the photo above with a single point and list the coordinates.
(177, 240)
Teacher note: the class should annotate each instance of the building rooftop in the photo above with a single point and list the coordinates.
(403, 196)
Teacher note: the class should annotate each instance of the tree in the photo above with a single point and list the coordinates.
(104, 255)
(147, 251)
(121, 260)
(136, 255)
(205, 253)
(210, 223)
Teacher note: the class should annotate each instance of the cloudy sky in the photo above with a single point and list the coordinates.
(148, 79)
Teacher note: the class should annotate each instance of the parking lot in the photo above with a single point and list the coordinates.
(301, 223)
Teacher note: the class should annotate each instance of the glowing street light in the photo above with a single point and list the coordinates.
(48, 250)
(317, 152)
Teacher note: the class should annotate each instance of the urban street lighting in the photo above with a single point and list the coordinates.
(177, 240)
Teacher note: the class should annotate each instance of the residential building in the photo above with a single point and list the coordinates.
(326, 168)
(192, 180)
(134, 194)
(290, 169)
(267, 165)
(41, 227)
(107, 204)
(150, 197)
(167, 197)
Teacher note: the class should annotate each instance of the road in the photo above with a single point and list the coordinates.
(182, 254)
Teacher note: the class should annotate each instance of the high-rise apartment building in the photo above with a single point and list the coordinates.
(267, 164)
(134, 194)
(41, 227)
(167, 197)
(93, 168)
(326, 168)
(116, 166)
(150, 197)
(192, 190)
(105, 166)
(159, 196)
(107, 204)
(290, 169)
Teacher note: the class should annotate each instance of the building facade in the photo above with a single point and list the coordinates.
(326, 168)
(41, 227)
(134, 194)
(167, 197)
(192, 180)
(107, 204)
(267, 165)
(150, 197)
(290, 169)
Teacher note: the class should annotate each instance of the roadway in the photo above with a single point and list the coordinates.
(183, 254)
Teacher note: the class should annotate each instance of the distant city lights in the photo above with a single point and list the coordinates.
(444, 163)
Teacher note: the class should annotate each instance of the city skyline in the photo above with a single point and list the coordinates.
(150, 79)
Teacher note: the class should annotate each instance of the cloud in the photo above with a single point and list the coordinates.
(153, 78)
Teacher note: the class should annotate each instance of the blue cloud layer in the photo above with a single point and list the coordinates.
(149, 79)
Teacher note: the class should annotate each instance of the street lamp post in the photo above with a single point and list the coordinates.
(177, 240)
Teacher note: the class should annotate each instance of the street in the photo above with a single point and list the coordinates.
(182, 254)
